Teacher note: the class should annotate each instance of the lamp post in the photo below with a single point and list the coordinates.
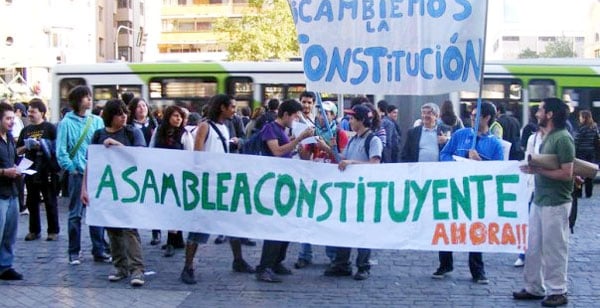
(119, 28)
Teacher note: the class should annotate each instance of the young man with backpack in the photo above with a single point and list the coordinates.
(363, 148)
(278, 144)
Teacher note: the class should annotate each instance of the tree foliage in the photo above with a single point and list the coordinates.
(528, 54)
(268, 32)
(562, 47)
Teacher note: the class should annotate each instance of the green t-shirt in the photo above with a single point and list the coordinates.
(549, 192)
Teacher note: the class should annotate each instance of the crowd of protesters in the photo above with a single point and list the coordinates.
(59, 155)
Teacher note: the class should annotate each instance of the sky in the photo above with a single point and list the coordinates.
(564, 15)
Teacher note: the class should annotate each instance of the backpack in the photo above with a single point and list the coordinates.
(255, 145)
(128, 133)
(367, 142)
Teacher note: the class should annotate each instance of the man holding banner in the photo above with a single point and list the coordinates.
(278, 144)
(363, 148)
(547, 254)
(486, 147)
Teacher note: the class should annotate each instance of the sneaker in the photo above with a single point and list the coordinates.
(440, 273)
(117, 275)
(241, 266)
(248, 242)
(24, 212)
(301, 263)
(362, 274)
(267, 276)
(103, 258)
(481, 279)
(524, 295)
(11, 274)
(52, 237)
(280, 269)
(32, 236)
(220, 239)
(137, 280)
(74, 260)
(337, 271)
(169, 251)
(555, 300)
(187, 276)
(519, 262)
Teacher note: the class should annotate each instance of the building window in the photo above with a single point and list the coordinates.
(100, 13)
(124, 4)
(124, 23)
(142, 8)
(579, 39)
(547, 38)
(597, 53)
(597, 39)
(125, 53)
(182, 2)
(8, 2)
(100, 47)
(510, 38)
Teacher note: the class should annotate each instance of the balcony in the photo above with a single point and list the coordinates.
(186, 37)
(205, 10)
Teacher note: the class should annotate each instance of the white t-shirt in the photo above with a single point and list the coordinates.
(213, 141)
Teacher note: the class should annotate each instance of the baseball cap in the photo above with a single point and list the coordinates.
(329, 106)
(360, 112)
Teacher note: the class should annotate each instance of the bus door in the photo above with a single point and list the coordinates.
(241, 89)
(581, 99)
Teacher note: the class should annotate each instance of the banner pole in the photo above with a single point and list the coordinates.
(481, 71)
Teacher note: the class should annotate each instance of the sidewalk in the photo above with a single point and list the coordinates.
(398, 278)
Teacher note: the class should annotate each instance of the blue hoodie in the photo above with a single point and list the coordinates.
(69, 130)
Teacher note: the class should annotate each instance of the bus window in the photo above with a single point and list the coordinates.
(240, 88)
(103, 93)
(189, 92)
(540, 89)
(65, 86)
(272, 91)
(294, 91)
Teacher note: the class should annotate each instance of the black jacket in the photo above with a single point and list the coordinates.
(410, 152)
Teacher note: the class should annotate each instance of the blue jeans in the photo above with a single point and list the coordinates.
(307, 254)
(76, 211)
(9, 219)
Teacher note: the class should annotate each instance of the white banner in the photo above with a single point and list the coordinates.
(411, 47)
(460, 206)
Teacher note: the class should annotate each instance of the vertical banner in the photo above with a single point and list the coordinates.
(411, 47)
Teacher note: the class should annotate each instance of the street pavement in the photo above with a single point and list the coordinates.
(398, 278)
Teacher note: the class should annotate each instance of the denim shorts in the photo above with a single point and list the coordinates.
(198, 238)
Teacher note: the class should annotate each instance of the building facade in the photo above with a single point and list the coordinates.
(186, 27)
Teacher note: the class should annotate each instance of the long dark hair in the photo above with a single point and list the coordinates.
(166, 133)
(132, 106)
(447, 114)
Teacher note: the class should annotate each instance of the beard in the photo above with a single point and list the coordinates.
(543, 122)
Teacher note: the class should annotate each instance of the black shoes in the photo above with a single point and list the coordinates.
(267, 275)
(301, 263)
(241, 266)
(248, 242)
(155, 238)
(280, 269)
(32, 236)
(187, 276)
(337, 271)
(220, 239)
(103, 258)
(169, 251)
(524, 295)
(555, 300)
(362, 274)
(440, 273)
(11, 274)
